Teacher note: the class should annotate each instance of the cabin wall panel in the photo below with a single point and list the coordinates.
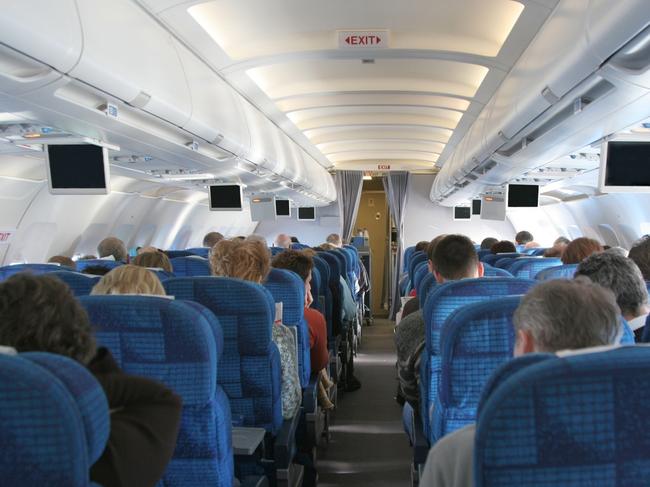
(310, 233)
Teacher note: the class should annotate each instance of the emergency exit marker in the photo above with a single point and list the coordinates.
(363, 39)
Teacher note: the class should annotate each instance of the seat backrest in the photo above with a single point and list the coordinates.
(162, 274)
(491, 259)
(109, 264)
(415, 260)
(277, 250)
(325, 291)
(482, 253)
(408, 253)
(504, 263)
(42, 431)
(249, 370)
(315, 289)
(475, 340)
(173, 254)
(178, 344)
(343, 264)
(288, 288)
(80, 284)
(565, 271)
(529, 267)
(355, 258)
(299, 246)
(489, 271)
(200, 251)
(9, 270)
(191, 266)
(421, 270)
(567, 421)
(427, 283)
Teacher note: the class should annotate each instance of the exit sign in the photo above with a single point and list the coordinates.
(383, 167)
(363, 39)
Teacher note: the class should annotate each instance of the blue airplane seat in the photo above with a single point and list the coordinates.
(482, 253)
(9, 270)
(315, 289)
(179, 344)
(529, 267)
(489, 271)
(426, 285)
(109, 264)
(421, 270)
(408, 252)
(191, 266)
(49, 435)
(80, 284)
(200, 251)
(491, 259)
(565, 421)
(417, 258)
(276, 250)
(173, 254)
(565, 271)
(325, 291)
(504, 263)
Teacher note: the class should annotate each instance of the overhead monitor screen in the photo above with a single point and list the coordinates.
(282, 208)
(625, 166)
(225, 197)
(493, 208)
(523, 196)
(462, 213)
(307, 213)
(78, 169)
(476, 207)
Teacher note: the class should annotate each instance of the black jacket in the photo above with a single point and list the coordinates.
(145, 417)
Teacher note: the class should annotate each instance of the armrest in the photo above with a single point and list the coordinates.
(284, 446)
(246, 440)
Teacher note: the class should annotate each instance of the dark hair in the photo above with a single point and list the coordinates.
(579, 249)
(502, 247)
(96, 270)
(640, 254)
(562, 240)
(153, 259)
(294, 260)
(421, 246)
(523, 237)
(294, 240)
(62, 260)
(455, 257)
(431, 248)
(488, 242)
(211, 239)
(40, 314)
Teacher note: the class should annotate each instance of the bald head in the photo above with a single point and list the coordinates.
(283, 240)
(112, 246)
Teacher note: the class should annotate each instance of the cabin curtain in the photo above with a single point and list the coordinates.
(348, 192)
(396, 185)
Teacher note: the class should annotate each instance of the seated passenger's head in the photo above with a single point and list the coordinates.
(558, 247)
(211, 239)
(523, 237)
(563, 314)
(640, 254)
(129, 279)
(488, 242)
(327, 246)
(430, 250)
(242, 259)
(149, 248)
(579, 249)
(334, 239)
(421, 246)
(283, 240)
(297, 261)
(622, 277)
(455, 258)
(294, 239)
(531, 245)
(112, 246)
(40, 314)
(503, 247)
(62, 260)
(155, 260)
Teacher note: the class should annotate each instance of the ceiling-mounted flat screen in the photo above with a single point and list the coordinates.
(78, 169)
(462, 213)
(476, 207)
(226, 197)
(307, 213)
(625, 166)
(523, 196)
(493, 208)
(282, 208)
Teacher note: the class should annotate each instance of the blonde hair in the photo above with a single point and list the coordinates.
(129, 279)
(153, 259)
(244, 259)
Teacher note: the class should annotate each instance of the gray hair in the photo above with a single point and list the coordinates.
(621, 276)
(564, 314)
(334, 239)
(113, 246)
(211, 239)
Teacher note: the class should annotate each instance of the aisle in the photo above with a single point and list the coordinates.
(369, 447)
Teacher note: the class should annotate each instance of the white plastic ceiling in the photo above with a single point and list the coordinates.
(405, 105)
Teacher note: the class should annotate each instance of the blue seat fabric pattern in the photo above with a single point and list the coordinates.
(110, 264)
(489, 271)
(408, 253)
(421, 270)
(190, 266)
(566, 271)
(529, 267)
(9, 270)
(491, 259)
(178, 344)
(249, 369)
(80, 284)
(200, 251)
(567, 421)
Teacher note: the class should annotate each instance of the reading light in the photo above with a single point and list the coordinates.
(367, 177)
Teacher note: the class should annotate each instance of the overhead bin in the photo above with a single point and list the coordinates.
(555, 98)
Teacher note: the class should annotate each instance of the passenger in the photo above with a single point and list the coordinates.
(579, 249)
(257, 238)
(488, 242)
(62, 260)
(454, 258)
(283, 241)
(154, 260)
(149, 248)
(302, 264)
(211, 239)
(640, 254)
(421, 246)
(250, 261)
(616, 250)
(532, 245)
(623, 277)
(503, 247)
(294, 240)
(129, 279)
(523, 237)
(558, 247)
(113, 247)
(555, 315)
(39, 313)
(335, 240)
